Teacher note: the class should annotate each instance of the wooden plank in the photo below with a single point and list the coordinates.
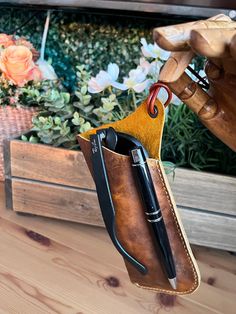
(203, 228)
(8, 191)
(69, 268)
(57, 279)
(49, 164)
(204, 190)
(210, 229)
(184, 7)
(57, 229)
(56, 201)
(192, 189)
(7, 157)
(7, 168)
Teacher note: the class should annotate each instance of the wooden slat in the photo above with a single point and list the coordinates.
(183, 7)
(203, 190)
(210, 229)
(50, 266)
(203, 228)
(56, 201)
(49, 164)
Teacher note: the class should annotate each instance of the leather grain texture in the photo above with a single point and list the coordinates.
(132, 228)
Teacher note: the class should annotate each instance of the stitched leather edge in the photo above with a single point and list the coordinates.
(183, 237)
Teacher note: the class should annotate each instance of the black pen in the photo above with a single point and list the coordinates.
(153, 211)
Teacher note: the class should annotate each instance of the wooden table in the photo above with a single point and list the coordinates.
(50, 266)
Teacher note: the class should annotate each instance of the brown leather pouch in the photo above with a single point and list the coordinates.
(132, 228)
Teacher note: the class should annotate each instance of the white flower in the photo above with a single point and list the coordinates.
(105, 79)
(47, 70)
(152, 69)
(136, 80)
(145, 65)
(153, 51)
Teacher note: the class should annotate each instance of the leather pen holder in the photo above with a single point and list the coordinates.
(131, 226)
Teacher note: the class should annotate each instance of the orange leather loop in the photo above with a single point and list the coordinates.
(154, 90)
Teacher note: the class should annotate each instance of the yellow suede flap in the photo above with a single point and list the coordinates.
(142, 126)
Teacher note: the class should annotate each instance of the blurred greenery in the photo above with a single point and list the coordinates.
(186, 142)
(78, 38)
(84, 39)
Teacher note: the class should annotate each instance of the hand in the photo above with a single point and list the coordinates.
(215, 39)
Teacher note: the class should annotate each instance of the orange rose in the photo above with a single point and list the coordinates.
(16, 63)
(6, 40)
(23, 42)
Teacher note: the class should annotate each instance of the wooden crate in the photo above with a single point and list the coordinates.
(54, 182)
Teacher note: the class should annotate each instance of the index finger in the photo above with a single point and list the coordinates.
(176, 37)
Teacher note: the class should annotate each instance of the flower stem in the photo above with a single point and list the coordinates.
(45, 32)
(120, 107)
(134, 98)
(110, 89)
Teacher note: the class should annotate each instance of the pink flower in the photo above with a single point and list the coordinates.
(12, 100)
(35, 74)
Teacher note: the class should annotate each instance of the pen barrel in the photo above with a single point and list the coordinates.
(152, 210)
(160, 233)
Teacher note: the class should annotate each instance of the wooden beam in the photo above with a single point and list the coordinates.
(185, 7)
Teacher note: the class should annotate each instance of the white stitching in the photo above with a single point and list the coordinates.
(183, 242)
(180, 233)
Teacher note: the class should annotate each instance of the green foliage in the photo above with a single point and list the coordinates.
(32, 139)
(186, 142)
(63, 116)
(52, 130)
(83, 39)
(58, 122)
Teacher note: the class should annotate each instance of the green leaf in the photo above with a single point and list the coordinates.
(33, 139)
(86, 99)
(66, 97)
(24, 138)
(84, 90)
(85, 127)
(57, 121)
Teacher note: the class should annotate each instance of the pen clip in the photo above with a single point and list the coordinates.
(104, 192)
